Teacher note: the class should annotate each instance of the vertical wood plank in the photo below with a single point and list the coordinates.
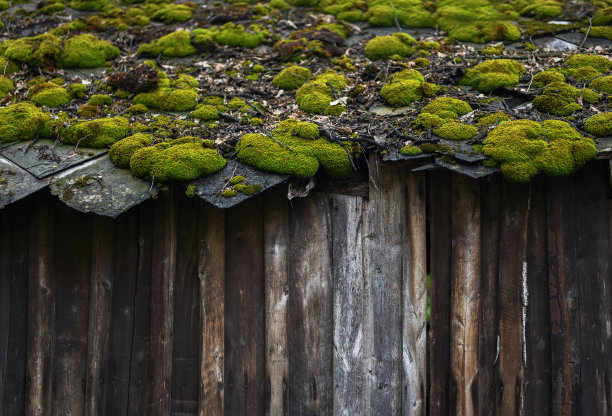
(6, 259)
(276, 246)
(465, 298)
(72, 274)
(211, 271)
(513, 278)
(488, 361)
(385, 218)
(121, 336)
(310, 307)
(163, 271)
(414, 297)
(41, 318)
(440, 269)
(348, 298)
(100, 290)
(186, 335)
(244, 300)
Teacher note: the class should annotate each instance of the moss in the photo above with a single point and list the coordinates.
(303, 130)
(190, 191)
(549, 76)
(175, 44)
(77, 90)
(561, 99)
(173, 13)
(602, 17)
(425, 121)
(247, 189)
(303, 3)
(168, 99)
(88, 111)
(292, 77)
(6, 86)
(447, 108)
(430, 147)
(42, 50)
(493, 118)
(411, 13)
(100, 100)
(421, 62)
(493, 50)
(456, 131)
(122, 151)
(382, 47)
(543, 9)
(236, 103)
(237, 179)
(24, 121)
(48, 94)
(493, 74)
(185, 81)
(238, 35)
(599, 125)
(88, 5)
(410, 150)
(584, 67)
(405, 87)
(228, 193)
(97, 133)
(205, 112)
(213, 100)
(523, 148)
(180, 160)
(87, 51)
(602, 84)
(334, 110)
(316, 95)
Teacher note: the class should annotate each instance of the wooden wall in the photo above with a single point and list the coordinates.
(317, 306)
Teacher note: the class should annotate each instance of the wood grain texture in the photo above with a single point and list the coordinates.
(244, 314)
(310, 311)
(348, 298)
(440, 269)
(6, 259)
(211, 273)
(465, 297)
(385, 219)
(276, 248)
(414, 298)
(41, 292)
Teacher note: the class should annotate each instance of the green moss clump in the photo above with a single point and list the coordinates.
(410, 150)
(382, 47)
(561, 99)
(228, 193)
(447, 108)
(493, 74)
(6, 86)
(185, 81)
(493, 50)
(493, 118)
(137, 109)
(88, 111)
(599, 125)
(190, 191)
(24, 121)
(549, 76)
(316, 95)
(237, 179)
(602, 84)
(77, 90)
(247, 189)
(543, 9)
(456, 131)
(237, 35)
(405, 87)
(205, 112)
(236, 103)
(168, 99)
(602, 17)
(40, 51)
(421, 62)
(122, 151)
(584, 67)
(48, 94)
(97, 133)
(87, 51)
(88, 5)
(303, 3)
(292, 77)
(100, 100)
(300, 129)
(523, 148)
(181, 159)
(411, 13)
(173, 13)
(213, 100)
(175, 44)
(426, 121)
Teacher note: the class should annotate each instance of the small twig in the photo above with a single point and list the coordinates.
(276, 141)
(587, 33)
(399, 29)
(152, 183)
(230, 179)
(253, 106)
(326, 133)
(79, 141)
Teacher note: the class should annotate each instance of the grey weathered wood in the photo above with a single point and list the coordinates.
(276, 246)
(100, 289)
(211, 272)
(414, 298)
(385, 219)
(347, 244)
(465, 298)
(310, 307)
(6, 259)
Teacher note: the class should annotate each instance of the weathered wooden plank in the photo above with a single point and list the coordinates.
(186, 335)
(513, 278)
(414, 298)
(276, 246)
(593, 271)
(72, 270)
(122, 313)
(6, 259)
(488, 375)
(100, 290)
(440, 269)
(244, 309)
(41, 292)
(310, 312)
(385, 219)
(211, 270)
(465, 297)
(565, 362)
(163, 271)
(348, 298)
(537, 398)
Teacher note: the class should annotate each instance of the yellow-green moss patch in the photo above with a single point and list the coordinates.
(493, 74)
(24, 121)
(599, 125)
(97, 133)
(405, 87)
(122, 151)
(382, 47)
(316, 95)
(168, 99)
(48, 94)
(292, 77)
(561, 99)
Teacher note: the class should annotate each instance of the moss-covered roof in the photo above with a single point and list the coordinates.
(109, 101)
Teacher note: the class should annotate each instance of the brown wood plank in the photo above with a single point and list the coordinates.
(385, 219)
(100, 290)
(310, 312)
(163, 272)
(244, 309)
(276, 246)
(211, 270)
(465, 297)
(122, 313)
(348, 298)
(537, 399)
(440, 270)
(488, 375)
(414, 297)
(186, 335)
(513, 278)
(72, 270)
(41, 320)
(6, 260)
